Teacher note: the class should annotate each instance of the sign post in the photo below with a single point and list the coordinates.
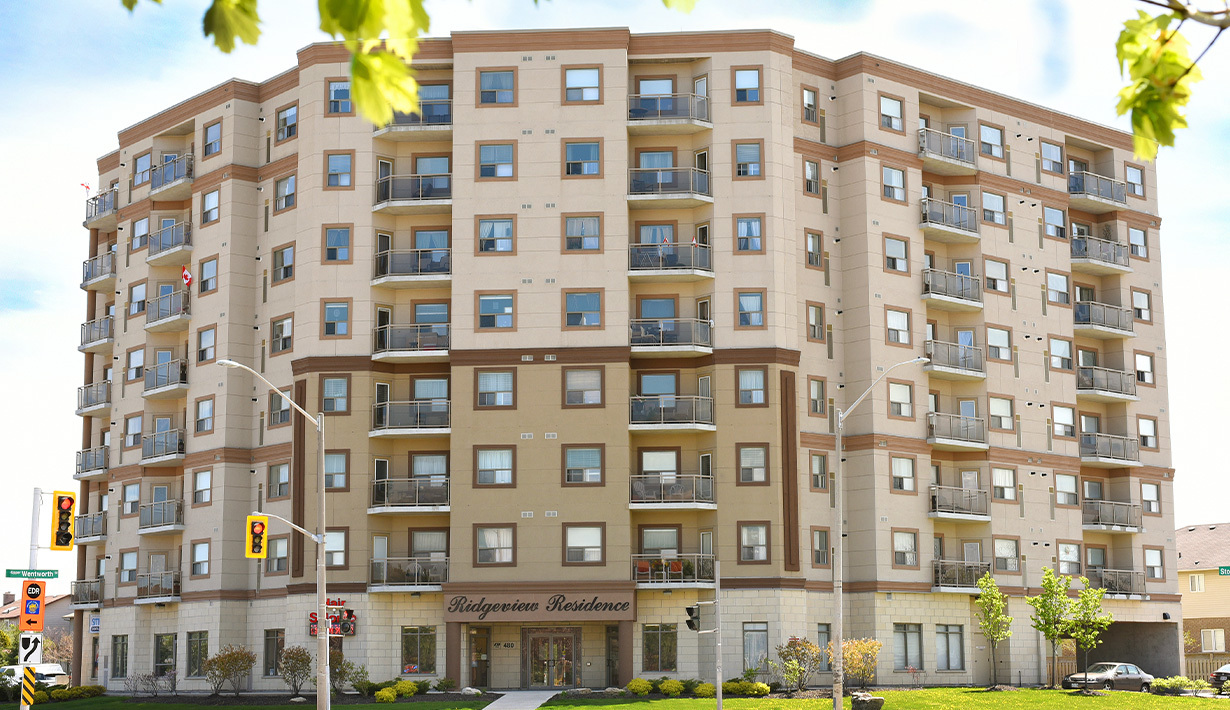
(27, 687)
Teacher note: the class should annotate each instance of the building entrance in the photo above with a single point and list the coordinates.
(550, 658)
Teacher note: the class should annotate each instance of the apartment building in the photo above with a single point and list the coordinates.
(577, 328)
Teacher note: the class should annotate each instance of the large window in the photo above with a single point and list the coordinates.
(893, 183)
(999, 344)
(583, 309)
(339, 97)
(1061, 354)
(494, 467)
(753, 466)
(1065, 489)
(288, 122)
(336, 468)
(1001, 413)
(905, 548)
(496, 87)
(583, 544)
(582, 158)
(582, 464)
(164, 654)
(820, 547)
(201, 492)
(495, 312)
(819, 471)
(1213, 640)
(337, 319)
(583, 233)
(1057, 288)
(949, 649)
(335, 394)
(128, 567)
(335, 548)
(1147, 430)
(1135, 180)
(811, 111)
(278, 558)
(418, 650)
(284, 190)
(1069, 558)
(136, 299)
(495, 235)
(900, 399)
(1154, 567)
(751, 386)
(1144, 368)
(338, 169)
(747, 159)
(1138, 243)
(583, 85)
(495, 389)
(1055, 222)
(747, 86)
(494, 545)
(659, 652)
(582, 388)
(1064, 419)
(495, 161)
(209, 275)
(119, 656)
(991, 141)
(751, 309)
(1052, 158)
(747, 234)
(815, 396)
(275, 641)
(1007, 555)
(754, 542)
(198, 652)
(896, 254)
(213, 139)
(823, 638)
(755, 645)
(1142, 306)
(907, 647)
(811, 177)
(898, 324)
(903, 473)
(337, 244)
(209, 207)
(1151, 497)
(205, 340)
(891, 113)
(283, 263)
(993, 208)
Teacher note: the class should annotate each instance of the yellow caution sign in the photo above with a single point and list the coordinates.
(27, 686)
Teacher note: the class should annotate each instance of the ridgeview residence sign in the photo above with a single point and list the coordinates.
(541, 606)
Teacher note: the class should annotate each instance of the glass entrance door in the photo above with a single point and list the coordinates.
(551, 658)
(480, 655)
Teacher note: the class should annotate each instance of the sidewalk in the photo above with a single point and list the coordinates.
(521, 699)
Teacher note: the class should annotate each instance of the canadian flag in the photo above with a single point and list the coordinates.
(86, 185)
(187, 277)
(693, 240)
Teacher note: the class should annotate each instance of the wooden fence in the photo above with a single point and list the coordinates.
(1200, 665)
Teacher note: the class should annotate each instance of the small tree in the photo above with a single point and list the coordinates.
(1051, 611)
(231, 664)
(1088, 621)
(796, 661)
(859, 658)
(993, 620)
(295, 663)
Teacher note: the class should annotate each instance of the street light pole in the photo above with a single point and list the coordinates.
(839, 531)
(323, 689)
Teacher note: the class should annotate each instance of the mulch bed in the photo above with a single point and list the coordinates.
(247, 698)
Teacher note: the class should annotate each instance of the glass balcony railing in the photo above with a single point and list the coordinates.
(1102, 379)
(667, 567)
(101, 204)
(1101, 250)
(96, 330)
(653, 257)
(668, 181)
(414, 414)
(1109, 512)
(1094, 185)
(954, 355)
(157, 585)
(946, 145)
(644, 107)
(411, 338)
(1103, 314)
(669, 332)
(162, 443)
(413, 262)
(95, 459)
(1109, 446)
(161, 513)
(947, 214)
(90, 525)
(960, 501)
(410, 492)
(167, 238)
(671, 409)
(87, 591)
(94, 394)
(953, 285)
(670, 488)
(1116, 581)
(168, 305)
(958, 573)
(166, 374)
(956, 427)
(170, 171)
(408, 571)
(98, 267)
(414, 187)
(432, 112)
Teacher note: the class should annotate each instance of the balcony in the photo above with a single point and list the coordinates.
(92, 464)
(1101, 384)
(1109, 451)
(164, 516)
(1102, 320)
(408, 574)
(166, 380)
(170, 246)
(948, 291)
(1118, 583)
(667, 114)
(1096, 194)
(157, 588)
(91, 527)
(1100, 257)
(427, 494)
(86, 594)
(953, 432)
(421, 342)
(414, 194)
(162, 448)
(946, 154)
(670, 570)
(669, 262)
(668, 188)
(949, 223)
(957, 576)
(98, 272)
(670, 412)
(168, 313)
(97, 335)
(94, 400)
(413, 268)
(420, 417)
(1111, 516)
(432, 122)
(172, 180)
(671, 491)
(100, 211)
(670, 337)
(959, 504)
(952, 361)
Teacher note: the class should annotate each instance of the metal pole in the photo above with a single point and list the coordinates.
(838, 561)
(34, 513)
(717, 625)
(323, 690)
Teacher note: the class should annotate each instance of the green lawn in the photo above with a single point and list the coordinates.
(122, 703)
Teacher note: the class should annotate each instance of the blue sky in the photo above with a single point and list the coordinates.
(84, 69)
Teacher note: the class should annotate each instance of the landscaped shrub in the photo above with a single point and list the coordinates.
(445, 685)
(406, 688)
(231, 664)
(705, 690)
(689, 685)
(94, 690)
(732, 687)
(295, 662)
(656, 684)
(387, 695)
(670, 688)
(758, 690)
(40, 697)
(60, 695)
(639, 686)
(1175, 685)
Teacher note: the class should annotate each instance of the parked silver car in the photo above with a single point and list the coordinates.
(1111, 676)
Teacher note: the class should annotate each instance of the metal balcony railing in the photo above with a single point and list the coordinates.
(414, 187)
(671, 409)
(958, 573)
(408, 571)
(1116, 581)
(99, 329)
(1102, 250)
(963, 357)
(669, 256)
(92, 459)
(90, 525)
(94, 394)
(642, 107)
(1109, 512)
(667, 332)
(947, 214)
(953, 285)
(1104, 379)
(957, 427)
(87, 591)
(168, 305)
(170, 171)
(666, 567)
(164, 512)
(97, 267)
(670, 488)
(435, 112)
(413, 414)
(101, 204)
(411, 338)
(162, 443)
(167, 238)
(668, 181)
(413, 262)
(1103, 314)
(165, 374)
(154, 585)
(425, 490)
(1109, 446)
(947, 145)
(1086, 183)
(962, 501)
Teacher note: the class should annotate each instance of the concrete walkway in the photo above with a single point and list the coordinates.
(521, 699)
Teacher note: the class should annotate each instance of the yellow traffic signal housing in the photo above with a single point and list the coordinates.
(62, 520)
(256, 538)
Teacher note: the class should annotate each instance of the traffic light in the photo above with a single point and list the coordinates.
(62, 520)
(694, 617)
(255, 548)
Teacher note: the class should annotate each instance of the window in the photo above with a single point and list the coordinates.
(1137, 242)
(893, 181)
(200, 558)
(132, 503)
(751, 309)
(747, 86)
(1007, 555)
(288, 123)
(1001, 413)
(495, 161)
(1147, 428)
(1142, 307)
(993, 208)
(1213, 640)
(1093, 490)
(991, 141)
(811, 177)
(132, 434)
(754, 543)
(279, 409)
(336, 466)
(283, 263)
(136, 299)
(819, 472)
(339, 97)
(1052, 158)
(820, 548)
(278, 559)
(811, 111)
(903, 474)
(279, 480)
(337, 244)
(583, 544)
(949, 649)
(1064, 421)
(1135, 180)
(996, 278)
(495, 235)
(494, 545)
(494, 467)
(896, 254)
(583, 85)
(275, 641)
(141, 169)
(583, 309)
(334, 390)
(201, 487)
(1054, 221)
(1151, 497)
(1195, 582)
(1065, 489)
(209, 275)
(582, 387)
(900, 399)
(495, 389)
(1003, 483)
(213, 139)
(205, 346)
(898, 326)
(140, 234)
(891, 112)
(815, 396)
(747, 234)
(1057, 288)
(751, 386)
(907, 647)
(660, 646)
(815, 250)
(747, 159)
(281, 335)
(1069, 558)
(285, 192)
(815, 322)
(164, 654)
(337, 319)
(496, 87)
(582, 464)
(583, 233)
(582, 159)
(1061, 354)
(823, 638)
(418, 650)
(753, 464)
(1154, 568)
(136, 365)
(119, 655)
(338, 167)
(209, 207)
